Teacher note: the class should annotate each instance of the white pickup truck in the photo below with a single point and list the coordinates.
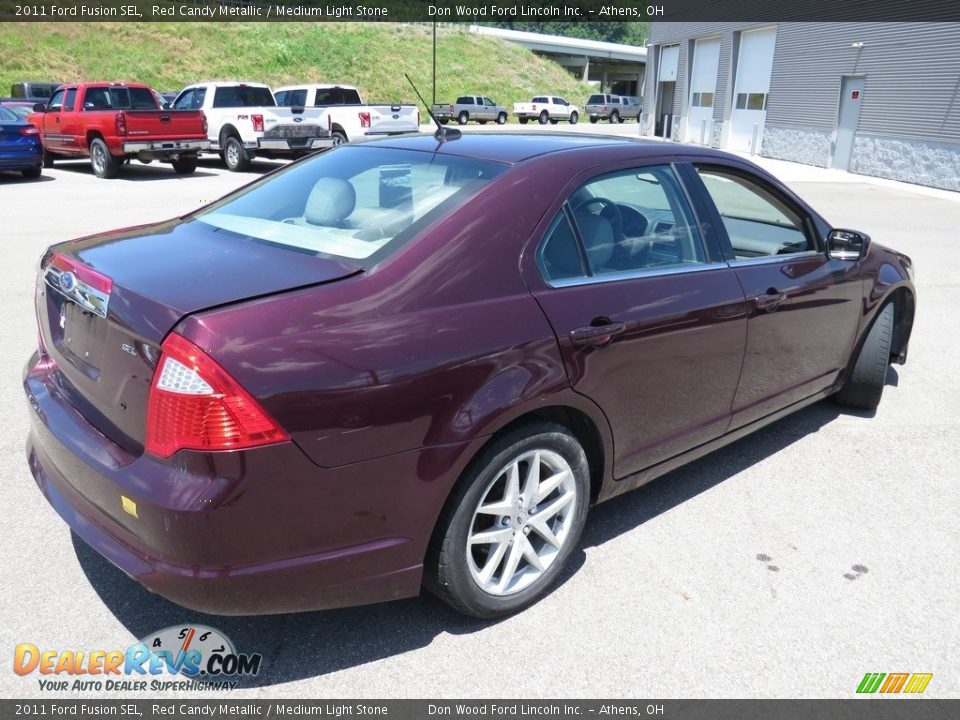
(243, 120)
(345, 114)
(546, 108)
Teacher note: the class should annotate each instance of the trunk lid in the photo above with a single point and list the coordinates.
(105, 303)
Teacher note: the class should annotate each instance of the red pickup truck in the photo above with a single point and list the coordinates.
(112, 123)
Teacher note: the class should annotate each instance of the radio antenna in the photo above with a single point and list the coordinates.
(443, 133)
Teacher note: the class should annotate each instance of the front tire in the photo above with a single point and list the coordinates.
(48, 159)
(574, 117)
(103, 163)
(864, 387)
(32, 173)
(502, 118)
(511, 523)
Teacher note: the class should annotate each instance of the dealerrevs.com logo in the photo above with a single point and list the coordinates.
(201, 657)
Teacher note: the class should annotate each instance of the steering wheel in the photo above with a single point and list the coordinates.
(609, 210)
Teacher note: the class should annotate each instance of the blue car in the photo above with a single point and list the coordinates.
(20, 146)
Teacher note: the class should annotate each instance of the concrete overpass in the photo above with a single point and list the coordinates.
(614, 67)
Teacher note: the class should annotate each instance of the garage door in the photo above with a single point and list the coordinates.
(752, 86)
(703, 85)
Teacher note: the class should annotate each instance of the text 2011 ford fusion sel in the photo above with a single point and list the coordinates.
(417, 363)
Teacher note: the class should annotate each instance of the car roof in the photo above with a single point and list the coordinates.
(225, 83)
(515, 147)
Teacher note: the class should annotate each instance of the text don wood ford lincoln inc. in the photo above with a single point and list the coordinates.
(201, 657)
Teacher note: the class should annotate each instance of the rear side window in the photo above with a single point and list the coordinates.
(465, 100)
(242, 96)
(540, 99)
(355, 203)
(625, 222)
(757, 221)
(68, 104)
(595, 100)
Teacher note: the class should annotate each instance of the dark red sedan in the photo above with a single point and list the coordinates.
(415, 363)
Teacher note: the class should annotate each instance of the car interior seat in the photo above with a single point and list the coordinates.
(330, 203)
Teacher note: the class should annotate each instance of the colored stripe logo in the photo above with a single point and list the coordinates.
(893, 683)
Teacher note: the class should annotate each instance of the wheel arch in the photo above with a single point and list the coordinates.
(904, 308)
(227, 130)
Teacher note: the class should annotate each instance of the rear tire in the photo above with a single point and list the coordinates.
(614, 117)
(543, 118)
(593, 120)
(235, 155)
(864, 387)
(524, 121)
(443, 121)
(463, 117)
(103, 163)
(486, 576)
(339, 138)
(31, 173)
(185, 166)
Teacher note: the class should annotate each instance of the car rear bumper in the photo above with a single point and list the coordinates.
(248, 532)
(21, 160)
(295, 145)
(160, 148)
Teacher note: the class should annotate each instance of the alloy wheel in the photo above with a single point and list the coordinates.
(521, 523)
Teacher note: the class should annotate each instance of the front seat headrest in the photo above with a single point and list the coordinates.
(330, 202)
(598, 238)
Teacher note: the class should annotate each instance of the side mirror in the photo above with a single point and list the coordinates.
(39, 107)
(165, 106)
(847, 244)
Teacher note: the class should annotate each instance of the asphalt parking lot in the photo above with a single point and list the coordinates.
(785, 565)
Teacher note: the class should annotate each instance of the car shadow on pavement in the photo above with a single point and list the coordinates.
(12, 177)
(305, 645)
(134, 172)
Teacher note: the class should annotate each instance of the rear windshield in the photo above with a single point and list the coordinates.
(337, 96)
(243, 96)
(119, 98)
(8, 116)
(354, 203)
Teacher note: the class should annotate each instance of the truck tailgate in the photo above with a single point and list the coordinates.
(393, 119)
(166, 124)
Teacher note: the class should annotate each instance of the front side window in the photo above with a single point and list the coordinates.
(758, 223)
(355, 203)
(56, 102)
(625, 222)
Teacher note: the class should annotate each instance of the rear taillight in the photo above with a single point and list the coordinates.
(29, 130)
(364, 119)
(329, 122)
(257, 123)
(194, 404)
(121, 122)
(96, 280)
(205, 126)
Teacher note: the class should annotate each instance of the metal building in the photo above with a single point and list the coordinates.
(879, 98)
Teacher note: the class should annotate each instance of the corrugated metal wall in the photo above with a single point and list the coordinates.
(912, 74)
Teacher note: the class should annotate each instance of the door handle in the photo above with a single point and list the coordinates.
(770, 300)
(597, 335)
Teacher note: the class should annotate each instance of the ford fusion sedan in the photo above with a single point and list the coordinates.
(418, 362)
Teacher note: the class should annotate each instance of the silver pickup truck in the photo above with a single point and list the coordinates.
(470, 107)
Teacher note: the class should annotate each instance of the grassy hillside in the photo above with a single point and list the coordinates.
(372, 56)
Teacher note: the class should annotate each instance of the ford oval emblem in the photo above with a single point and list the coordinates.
(298, 119)
(68, 281)
(396, 117)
